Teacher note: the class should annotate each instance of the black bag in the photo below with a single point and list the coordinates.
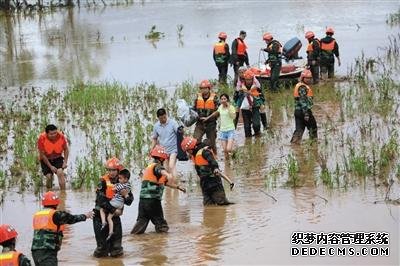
(182, 156)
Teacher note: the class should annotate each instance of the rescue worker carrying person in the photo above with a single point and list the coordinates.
(239, 55)
(208, 170)
(329, 49)
(155, 177)
(274, 50)
(205, 104)
(105, 193)
(251, 100)
(48, 227)
(313, 55)
(303, 96)
(221, 57)
(9, 256)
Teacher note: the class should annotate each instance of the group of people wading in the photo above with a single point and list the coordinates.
(114, 191)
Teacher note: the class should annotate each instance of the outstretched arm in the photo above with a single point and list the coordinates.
(62, 217)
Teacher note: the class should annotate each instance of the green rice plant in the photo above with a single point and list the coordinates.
(388, 154)
(327, 178)
(2, 179)
(359, 165)
(393, 19)
(154, 35)
(293, 172)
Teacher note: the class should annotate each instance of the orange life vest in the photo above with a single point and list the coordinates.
(254, 91)
(310, 47)
(209, 104)
(43, 220)
(149, 175)
(219, 48)
(110, 192)
(328, 46)
(199, 160)
(241, 47)
(51, 147)
(296, 90)
(10, 258)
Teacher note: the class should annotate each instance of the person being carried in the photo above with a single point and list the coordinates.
(9, 256)
(117, 202)
(104, 194)
(154, 178)
(208, 170)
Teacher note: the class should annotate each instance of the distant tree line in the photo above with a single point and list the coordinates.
(10, 5)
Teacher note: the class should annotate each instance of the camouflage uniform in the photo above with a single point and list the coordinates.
(209, 127)
(211, 184)
(46, 244)
(114, 245)
(328, 56)
(313, 59)
(150, 208)
(274, 50)
(303, 105)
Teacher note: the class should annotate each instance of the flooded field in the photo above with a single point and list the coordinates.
(347, 182)
(109, 43)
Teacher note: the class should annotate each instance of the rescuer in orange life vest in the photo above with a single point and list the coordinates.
(239, 55)
(52, 144)
(48, 226)
(313, 55)
(155, 178)
(221, 57)
(208, 170)
(329, 50)
(206, 103)
(104, 193)
(9, 256)
(303, 96)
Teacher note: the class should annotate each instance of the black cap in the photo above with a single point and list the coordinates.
(242, 32)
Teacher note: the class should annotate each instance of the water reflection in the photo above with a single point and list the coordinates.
(49, 46)
(209, 243)
(305, 199)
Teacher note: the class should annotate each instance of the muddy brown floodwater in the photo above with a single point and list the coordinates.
(106, 44)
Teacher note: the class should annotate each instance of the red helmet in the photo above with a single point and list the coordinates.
(114, 163)
(309, 35)
(188, 143)
(222, 35)
(330, 30)
(7, 232)
(205, 84)
(267, 36)
(50, 198)
(305, 74)
(159, 151)
(248, 74)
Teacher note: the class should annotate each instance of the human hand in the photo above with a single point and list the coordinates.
(217, 172)
(89, 215)
(232, 185)
(203, 119)
(124, 192)
(181, 189)
(262, 108)
(64, 165)
(53, 169)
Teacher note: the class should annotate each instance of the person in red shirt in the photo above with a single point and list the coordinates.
(52, 145)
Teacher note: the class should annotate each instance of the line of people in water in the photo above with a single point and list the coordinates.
(114, 191)
(320, 56)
